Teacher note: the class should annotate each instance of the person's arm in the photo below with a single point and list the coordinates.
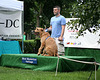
(62, 33)
(48, 29)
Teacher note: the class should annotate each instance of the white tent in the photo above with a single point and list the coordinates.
(11, 5)
(11, 19)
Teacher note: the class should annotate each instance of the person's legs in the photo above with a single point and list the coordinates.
(60, 46)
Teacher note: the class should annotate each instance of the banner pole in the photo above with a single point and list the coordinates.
(22, 44)
(22, 32)
(95, 71)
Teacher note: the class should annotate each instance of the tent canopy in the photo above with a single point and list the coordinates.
(11, 5)
(11, 12)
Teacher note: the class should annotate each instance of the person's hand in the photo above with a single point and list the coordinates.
(60, 38)
(46, 30)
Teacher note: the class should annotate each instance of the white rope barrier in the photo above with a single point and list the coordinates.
(77, 61)
(57, 67)
(80, 61)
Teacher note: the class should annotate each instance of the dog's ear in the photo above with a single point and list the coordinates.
(42, 29)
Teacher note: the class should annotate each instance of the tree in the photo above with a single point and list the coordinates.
(89, 13)
(37, 13)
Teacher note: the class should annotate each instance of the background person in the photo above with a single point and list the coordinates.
(24, 36)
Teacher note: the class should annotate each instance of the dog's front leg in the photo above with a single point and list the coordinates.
(40, 49)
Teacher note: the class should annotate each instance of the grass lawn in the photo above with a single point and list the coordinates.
(7, 73)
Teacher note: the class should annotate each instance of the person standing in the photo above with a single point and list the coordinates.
(57, 27)
(24, 36)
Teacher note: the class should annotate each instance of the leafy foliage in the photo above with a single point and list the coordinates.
(89, 13)
(30, 46)
(39, 12)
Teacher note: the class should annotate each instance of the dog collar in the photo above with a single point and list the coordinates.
(47, 37)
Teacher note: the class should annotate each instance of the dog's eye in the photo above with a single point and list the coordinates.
(37, 29)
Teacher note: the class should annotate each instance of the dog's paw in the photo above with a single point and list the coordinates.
(38, 54)
(42, 54)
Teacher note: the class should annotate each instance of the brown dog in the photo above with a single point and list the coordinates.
(48, 43)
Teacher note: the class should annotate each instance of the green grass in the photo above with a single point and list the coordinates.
(7, 73)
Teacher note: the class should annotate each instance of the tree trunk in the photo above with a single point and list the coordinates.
(38, 21)
(38, 16)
